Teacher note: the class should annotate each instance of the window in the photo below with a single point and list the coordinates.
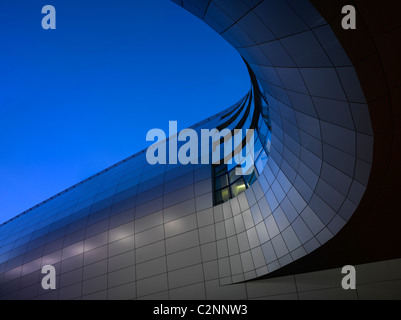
(227, 184)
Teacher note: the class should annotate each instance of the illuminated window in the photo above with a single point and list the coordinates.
(227, 184)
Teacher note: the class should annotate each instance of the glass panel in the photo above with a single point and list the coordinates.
(233, 177)
(263, 130)
(250, 179)
(222, 196)
(231, 165)
(221, 182)
(238, 187)
(258, 148)
(261, 162)
(220, 169)
(268, 144)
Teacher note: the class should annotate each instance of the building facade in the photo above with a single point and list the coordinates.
(325, 105)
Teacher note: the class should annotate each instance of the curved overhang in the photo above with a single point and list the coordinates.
(334, 114)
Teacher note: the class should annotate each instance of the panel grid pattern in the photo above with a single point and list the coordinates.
(137, 231)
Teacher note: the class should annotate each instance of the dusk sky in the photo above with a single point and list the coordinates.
(80, 98)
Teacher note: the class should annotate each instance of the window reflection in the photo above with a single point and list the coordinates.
(227, 184)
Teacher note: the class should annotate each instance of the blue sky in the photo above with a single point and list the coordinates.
(80, 98)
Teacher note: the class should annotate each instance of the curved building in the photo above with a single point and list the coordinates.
(325, 104)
